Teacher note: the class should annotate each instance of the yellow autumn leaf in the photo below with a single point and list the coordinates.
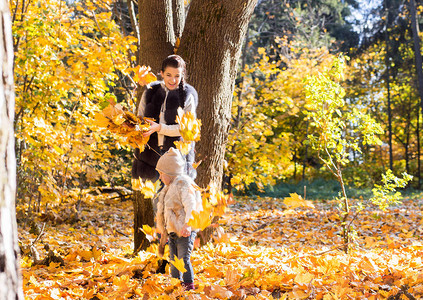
(182, 146)
(118, 120)
(59, 150)
(190, 127)
(179, 264)
(304, 278)
(111, 110)
(85, 254)
(294, 200)
(196, 164)
(100, 120)
(137, 184)
(143, 75)
(152, 286)
(148, 231)
(177, 43)
(33, 280)
(121, 281)
(200, 220)
(147, 188)
(150, 189)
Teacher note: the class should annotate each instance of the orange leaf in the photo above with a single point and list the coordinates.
(143, 76)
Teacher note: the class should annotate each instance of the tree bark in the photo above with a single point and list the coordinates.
(157, 35)
(178, 17)
(211, 45)
(143, 215)
(417, 53)
(419, 176)
(134, 21)
(10, 279)
(388, 90)
(157, 40)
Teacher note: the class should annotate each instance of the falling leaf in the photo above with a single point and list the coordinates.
(179, 264)
(143, 75)
(190, 127)
(182, 146)
(196, 164)
(149, 190)
(200, 220)
(177, 43)
(148, 231)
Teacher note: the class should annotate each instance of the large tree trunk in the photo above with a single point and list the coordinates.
(143, 215)
(417, 54)
(10, 280)
(388, 91)
(418, 60)
(418, 150)
(211, 44)
(157, 40)
(157, 35)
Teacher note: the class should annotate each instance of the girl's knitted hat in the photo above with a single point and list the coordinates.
(172, 163)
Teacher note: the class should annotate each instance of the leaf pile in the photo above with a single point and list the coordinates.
(263, 250)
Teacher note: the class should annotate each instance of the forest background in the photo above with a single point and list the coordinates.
(71, 56)
(70, 61)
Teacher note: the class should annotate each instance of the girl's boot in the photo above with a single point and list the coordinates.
(188, 286)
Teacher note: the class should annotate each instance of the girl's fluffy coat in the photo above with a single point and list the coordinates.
(176, 203)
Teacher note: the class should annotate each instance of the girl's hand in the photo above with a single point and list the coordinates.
(186, 230)
(154, 127)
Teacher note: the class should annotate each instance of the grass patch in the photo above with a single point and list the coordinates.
(314, 190)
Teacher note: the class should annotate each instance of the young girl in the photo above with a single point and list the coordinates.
(177, 200)
(161, 102)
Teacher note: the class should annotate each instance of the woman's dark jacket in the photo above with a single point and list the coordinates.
(144, 164)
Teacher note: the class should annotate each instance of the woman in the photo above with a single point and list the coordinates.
(161, 102)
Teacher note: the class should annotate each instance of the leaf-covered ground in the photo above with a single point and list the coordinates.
(262, 251)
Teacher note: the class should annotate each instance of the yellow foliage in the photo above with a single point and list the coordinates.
(200, 220)
(214, 203)
(261, 111)
(65, 62)
(183, 146)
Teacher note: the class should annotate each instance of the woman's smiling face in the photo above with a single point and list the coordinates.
(172, 77)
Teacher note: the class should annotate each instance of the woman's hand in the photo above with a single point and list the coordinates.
(154, 127)
(186, 230)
